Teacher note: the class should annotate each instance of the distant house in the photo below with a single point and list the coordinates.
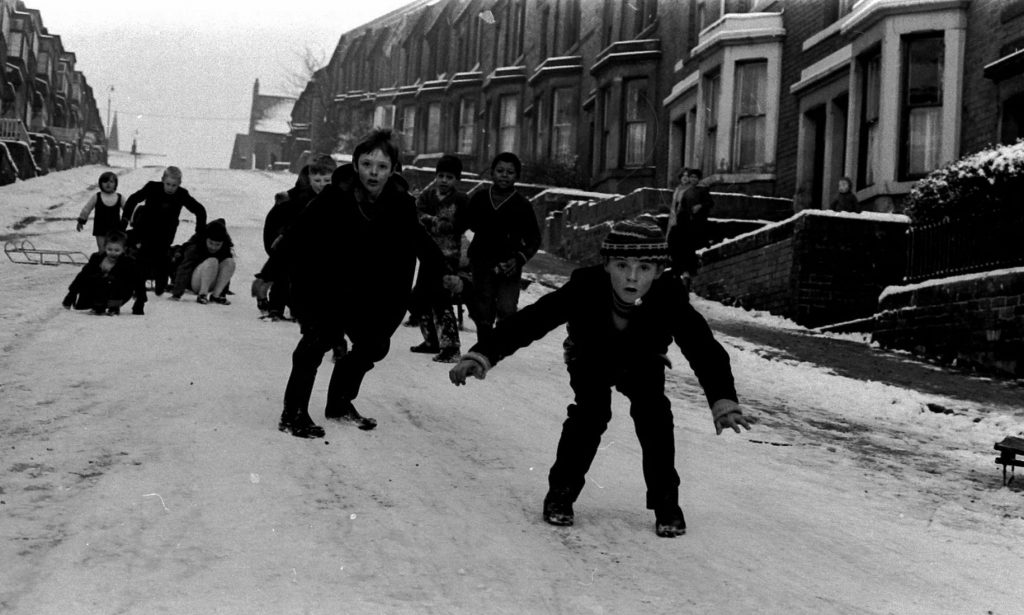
(269, 125)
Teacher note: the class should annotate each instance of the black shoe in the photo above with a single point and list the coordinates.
(221, 299)
(558, 508)
(425, 348)
(447, 355)
(348, 413)
(298, 423)
(669, 521)
(202, 299)
(113, 311)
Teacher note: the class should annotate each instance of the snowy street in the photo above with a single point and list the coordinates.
(143, 472)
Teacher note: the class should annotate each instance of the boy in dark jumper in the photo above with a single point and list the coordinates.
(621, 318)
(505, 237)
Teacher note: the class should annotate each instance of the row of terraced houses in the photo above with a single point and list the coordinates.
(768, 97)
(49, 119)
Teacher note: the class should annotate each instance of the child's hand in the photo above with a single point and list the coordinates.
(80, 225)
(465, 368)
(727, 413)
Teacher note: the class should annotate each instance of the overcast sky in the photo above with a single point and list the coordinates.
(183, 70)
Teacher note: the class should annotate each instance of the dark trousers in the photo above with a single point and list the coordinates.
(495, 297)
(644, 386)
(155, 260)
(100, 293)
(349, 368)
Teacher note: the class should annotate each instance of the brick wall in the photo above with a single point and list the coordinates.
(975, 320)
(814, 268)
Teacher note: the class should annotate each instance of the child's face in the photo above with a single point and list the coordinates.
(444, 183)
(374, 170)
(213, 246)
(844, 186)
(171, 184)
(318, 181)
(108, 185)
(504, 175)
(632, 277)
(114, 250)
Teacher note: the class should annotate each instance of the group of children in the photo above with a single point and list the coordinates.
(134, 239)
(366, 233)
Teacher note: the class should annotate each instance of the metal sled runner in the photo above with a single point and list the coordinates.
(24, 253)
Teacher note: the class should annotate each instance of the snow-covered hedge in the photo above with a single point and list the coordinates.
(988, 181)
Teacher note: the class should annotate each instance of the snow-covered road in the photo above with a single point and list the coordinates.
(143, 472)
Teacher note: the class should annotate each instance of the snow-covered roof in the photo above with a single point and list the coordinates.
(273, 114)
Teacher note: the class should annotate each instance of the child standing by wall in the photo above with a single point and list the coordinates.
(108, 280)
(107, 203)
(621, 317)
(505, 237)
(846, 200)
(439, 208)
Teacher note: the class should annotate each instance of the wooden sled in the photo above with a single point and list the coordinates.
(24, 253)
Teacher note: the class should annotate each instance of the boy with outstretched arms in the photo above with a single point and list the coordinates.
(621, 317)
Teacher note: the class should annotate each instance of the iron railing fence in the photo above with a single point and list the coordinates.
(970, 244)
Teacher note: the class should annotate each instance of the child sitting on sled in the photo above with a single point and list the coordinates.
(108, 280)
(621, 317)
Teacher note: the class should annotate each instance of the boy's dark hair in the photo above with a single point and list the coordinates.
(695, 171)
(510, 158)
(378, 139)
(449, 164)
(116, 236)
(322, 164)
(107, 175)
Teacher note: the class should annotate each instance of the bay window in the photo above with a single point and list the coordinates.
(636, 111)
(750, 105)
(921, 106)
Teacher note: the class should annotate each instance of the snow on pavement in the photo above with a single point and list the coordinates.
(143, 470)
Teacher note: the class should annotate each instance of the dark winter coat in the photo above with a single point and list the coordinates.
(194, 252)
(594, 344)
(162, 212)
(123, 281)
(500, 233)
(351, 261)
(687, 232)
(287, 207)
(846, 201)
(440, 218)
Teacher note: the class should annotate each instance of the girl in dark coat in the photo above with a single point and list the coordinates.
(351, 256)
(207, 264)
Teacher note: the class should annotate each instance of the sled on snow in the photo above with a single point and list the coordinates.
(1008, 449)
(25, 253)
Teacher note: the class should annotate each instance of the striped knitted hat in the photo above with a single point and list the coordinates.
(640, 237)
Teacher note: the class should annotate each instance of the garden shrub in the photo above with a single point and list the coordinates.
(988, 182)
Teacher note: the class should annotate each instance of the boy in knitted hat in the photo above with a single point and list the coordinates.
(439, 208)
(621, 317)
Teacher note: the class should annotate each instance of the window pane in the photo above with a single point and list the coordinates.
(636, 142)
(563, 106)
(434, 127)
(871, 144)
(872, 87)
(509, 118)
(750, 141)
(924, 66)
(751, 81)
(925, 139)
(467, 126)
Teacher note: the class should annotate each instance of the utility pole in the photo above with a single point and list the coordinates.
(109, 92)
